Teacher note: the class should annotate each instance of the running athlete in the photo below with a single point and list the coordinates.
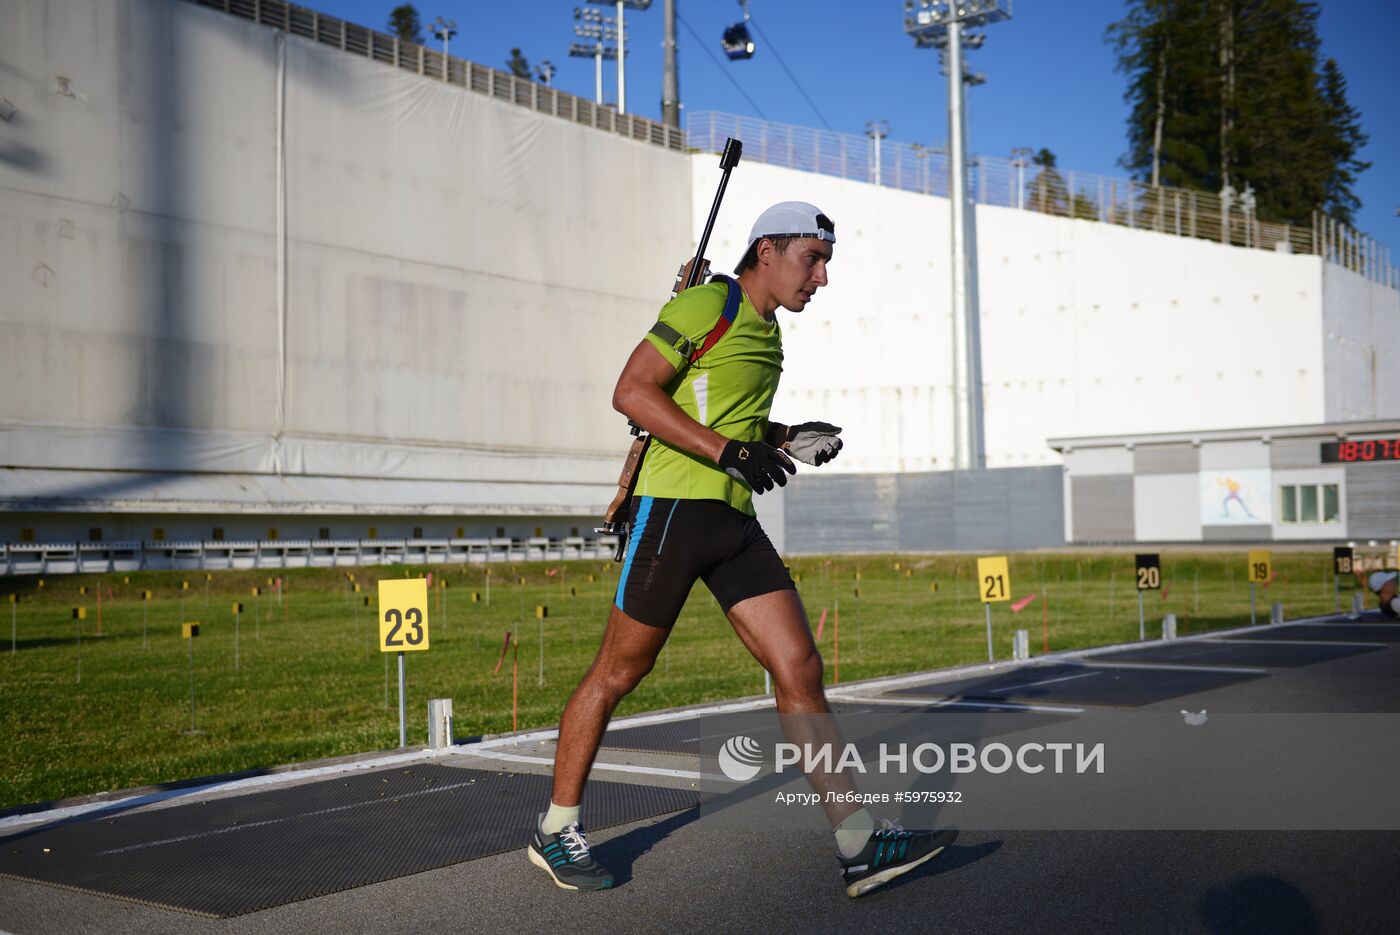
(713, 447)
(1383, 585)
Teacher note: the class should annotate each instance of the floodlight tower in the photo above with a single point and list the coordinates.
(877, 130)
(670, 80)
(444, 30)
(594, 25)
(940, 24)
(622, 44)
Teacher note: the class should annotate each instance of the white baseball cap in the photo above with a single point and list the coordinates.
(1378, 580)
(793, 219)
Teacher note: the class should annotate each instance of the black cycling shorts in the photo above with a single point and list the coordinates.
(673, 542)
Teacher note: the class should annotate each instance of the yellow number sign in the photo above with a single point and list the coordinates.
(1259, 567)
(993, 579)
(403, 615)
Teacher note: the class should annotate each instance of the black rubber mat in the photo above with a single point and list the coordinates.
(1081, 684)
(1323, 632)
(1235, 653)
(226, 857)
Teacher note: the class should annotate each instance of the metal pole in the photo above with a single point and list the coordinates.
(968, 448)
(767, 683)
(191, 642)
(990, 656)
(1252, 620)
(598, 73)
(541, 675)
(621, 61)
(1142, 620)
(403, 736)
(1337, 592)
(235, 642)
(670, 80)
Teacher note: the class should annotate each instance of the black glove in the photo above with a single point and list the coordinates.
(757, 464)
(813, 442)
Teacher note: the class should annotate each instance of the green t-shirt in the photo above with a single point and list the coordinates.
(730, 390)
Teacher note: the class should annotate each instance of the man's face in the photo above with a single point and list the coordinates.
(798, 272)
(1387, 592)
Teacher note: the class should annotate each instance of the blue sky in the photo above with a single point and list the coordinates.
(1051, 79)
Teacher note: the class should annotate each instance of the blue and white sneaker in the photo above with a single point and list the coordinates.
(567, 859)
(891, 852)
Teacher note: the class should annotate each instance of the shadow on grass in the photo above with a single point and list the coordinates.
(41, 642)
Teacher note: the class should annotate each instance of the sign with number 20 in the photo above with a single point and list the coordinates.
(403, 615)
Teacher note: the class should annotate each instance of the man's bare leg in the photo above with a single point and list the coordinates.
(774, 627)
(628, 652)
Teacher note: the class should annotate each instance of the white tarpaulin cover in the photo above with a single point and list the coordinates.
(227, 250)
(132, 492)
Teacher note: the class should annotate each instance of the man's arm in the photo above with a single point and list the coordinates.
(641, 396)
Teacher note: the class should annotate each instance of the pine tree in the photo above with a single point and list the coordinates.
(404, 23)
(1343, 140)
(1230, 92)
(1048, 191)
(1169, 72)
(519, 65)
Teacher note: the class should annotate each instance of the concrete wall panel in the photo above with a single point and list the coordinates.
(1165, 507)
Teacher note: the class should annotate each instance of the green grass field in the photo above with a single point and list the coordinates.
(309, 681)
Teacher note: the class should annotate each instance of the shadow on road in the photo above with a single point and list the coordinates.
(1258, 904)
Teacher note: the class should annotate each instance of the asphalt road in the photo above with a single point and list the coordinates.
(685, 872)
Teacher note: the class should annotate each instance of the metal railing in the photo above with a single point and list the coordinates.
(1012, 183)
(66, 558)
(381, 47)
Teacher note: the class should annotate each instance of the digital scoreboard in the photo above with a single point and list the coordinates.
(1361, 452)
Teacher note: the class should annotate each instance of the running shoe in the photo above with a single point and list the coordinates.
(890, 852)
(567, 859)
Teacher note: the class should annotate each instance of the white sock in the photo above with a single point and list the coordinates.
(558, 818)
(853, 833)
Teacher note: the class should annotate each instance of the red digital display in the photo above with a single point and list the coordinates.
(1366, 450)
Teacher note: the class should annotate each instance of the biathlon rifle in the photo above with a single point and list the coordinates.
(616, 521)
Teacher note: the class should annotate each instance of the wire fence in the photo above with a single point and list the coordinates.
(1017, 183)
(409, 56)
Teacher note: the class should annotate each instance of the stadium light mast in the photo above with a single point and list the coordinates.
(622, 44)
(594, 25)
(444, 29)
(940, 24)
(877, 130)
(670, 81)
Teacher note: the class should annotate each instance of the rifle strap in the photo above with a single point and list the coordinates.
(689, 351)
(618, 512)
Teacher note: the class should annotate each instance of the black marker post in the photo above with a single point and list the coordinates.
(1342, 561)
